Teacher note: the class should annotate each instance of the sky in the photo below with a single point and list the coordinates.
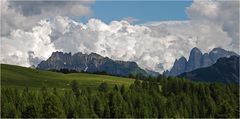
(153, 34)
(139, 11)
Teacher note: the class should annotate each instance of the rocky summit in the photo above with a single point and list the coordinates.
(89, 63)
(198, 60)
(225, 70)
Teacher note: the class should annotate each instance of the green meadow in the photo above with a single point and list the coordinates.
(21, 77)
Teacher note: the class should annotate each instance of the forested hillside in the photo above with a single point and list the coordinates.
(160, 97)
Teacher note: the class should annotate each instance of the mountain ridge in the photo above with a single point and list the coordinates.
(198, 60)
(225, 70)
(92, 62)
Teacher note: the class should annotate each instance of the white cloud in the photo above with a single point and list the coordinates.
(221, 14)
(26, 14)
(15, 48)
(154, 45)
(25, 40)
(131, 19)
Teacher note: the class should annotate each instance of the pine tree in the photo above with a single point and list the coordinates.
(9, 111)
(103, 87)
(106, 112)
(69, 104)
(84, 108)
(29, 112)
(98, 107)
(115, 88)
(52, 107)
(122, 89)
(75, 87)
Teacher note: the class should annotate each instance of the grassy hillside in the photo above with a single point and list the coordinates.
(16, 76)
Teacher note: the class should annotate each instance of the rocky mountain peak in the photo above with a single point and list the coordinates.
(95, 55)
(206, 60)
(182, 59)
(92, 62)
(217, 53)
(194, 58)
(225, 70)
(195, 50)
(178, 67)
(198, 60)
(59, 55)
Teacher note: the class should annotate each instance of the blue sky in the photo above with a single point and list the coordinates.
(144, 11)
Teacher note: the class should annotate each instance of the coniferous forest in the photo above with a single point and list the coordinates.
(151, 97)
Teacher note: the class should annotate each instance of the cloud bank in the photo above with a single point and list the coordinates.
(154, 45)
(25, 15)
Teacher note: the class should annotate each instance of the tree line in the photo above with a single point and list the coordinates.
(152, 97)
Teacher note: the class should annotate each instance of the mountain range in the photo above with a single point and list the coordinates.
(197, 60)
(90, 63)
(225, 70)
(96, 63)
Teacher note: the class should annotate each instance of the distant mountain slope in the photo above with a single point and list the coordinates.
(225, 70)
(89, 63)
(198, 60)
(152, 73)
(16, 76)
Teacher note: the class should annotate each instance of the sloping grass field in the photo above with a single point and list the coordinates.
(21, 77)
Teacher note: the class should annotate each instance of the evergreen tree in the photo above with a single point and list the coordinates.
(106, 112)
(9, 111)
(103, 87)
(52, 107)
(115, 88)
(29, 112)
(55, 92)
(149, 98)
(69, 104)
(75, 87)
(122, 89)
(98, 107)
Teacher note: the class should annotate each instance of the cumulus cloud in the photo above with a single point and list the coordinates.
(26, 14)
(15, 49)
(153, 45)
(131, 19)
(25, 33)
(223, 14)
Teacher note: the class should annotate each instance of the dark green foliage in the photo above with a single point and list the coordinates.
(29, 112)
(115, 88)
(98, 107)
(149, 98)
(9, 110)
(65, 71)
(122, 89)
(52, 107)
(103, 87)
(75, 87)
